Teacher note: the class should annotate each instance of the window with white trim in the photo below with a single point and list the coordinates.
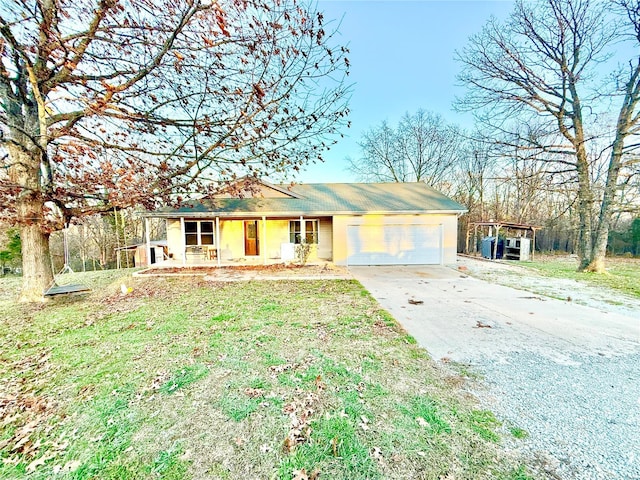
(311, 228)
(198, 233)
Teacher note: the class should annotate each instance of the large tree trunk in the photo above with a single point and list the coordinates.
(36, 264)
(598, 254)
(625, 124)
(585, 206)
(585, 191)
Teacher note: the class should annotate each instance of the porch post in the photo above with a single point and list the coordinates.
(218, 240)
(533, 245)
(147, 236)
(303, 230)
(264, 241)
(466, 243)
(183, 242)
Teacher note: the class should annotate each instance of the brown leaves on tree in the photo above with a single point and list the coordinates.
(105, 106)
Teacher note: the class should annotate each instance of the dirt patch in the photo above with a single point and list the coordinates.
(251, 271)
(243, 268)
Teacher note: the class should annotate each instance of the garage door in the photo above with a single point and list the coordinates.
(394, 244)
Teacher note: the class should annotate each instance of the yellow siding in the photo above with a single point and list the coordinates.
(449, 227)
(231, 239)
(332, 237)
(277, 234)
(325, 239)
(174, 239)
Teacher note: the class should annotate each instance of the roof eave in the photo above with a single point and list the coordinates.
(293, 213)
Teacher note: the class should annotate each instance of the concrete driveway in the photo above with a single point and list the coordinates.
(459, 318)
(567, 374)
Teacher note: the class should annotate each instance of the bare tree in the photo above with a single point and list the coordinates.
(380, 160)
(108, 104)
(541, 67)
(422, 148)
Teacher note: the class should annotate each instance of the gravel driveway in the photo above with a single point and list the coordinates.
(566, 373)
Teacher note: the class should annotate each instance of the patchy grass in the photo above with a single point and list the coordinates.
(518, 433)
(187, 379)
(623, 274)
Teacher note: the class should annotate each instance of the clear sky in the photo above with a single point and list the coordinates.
(401, 61)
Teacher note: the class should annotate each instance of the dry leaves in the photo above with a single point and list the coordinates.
(30, 416)
(254, 392)
(364, 423)
(302, 474)
(376, 453)
(334, 446)
(480, 324)
(280, 368)
(299, 411)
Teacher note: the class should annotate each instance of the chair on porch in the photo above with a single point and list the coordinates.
(212, 253)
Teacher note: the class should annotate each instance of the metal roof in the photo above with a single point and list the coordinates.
(515, 226)
(325, 199)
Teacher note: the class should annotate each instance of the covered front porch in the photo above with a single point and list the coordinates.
(227, 241)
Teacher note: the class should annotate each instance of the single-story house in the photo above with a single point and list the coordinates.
(345, 223)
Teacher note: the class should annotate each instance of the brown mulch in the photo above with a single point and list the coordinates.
(274, 268)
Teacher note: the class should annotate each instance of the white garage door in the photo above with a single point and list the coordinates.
(394, 244)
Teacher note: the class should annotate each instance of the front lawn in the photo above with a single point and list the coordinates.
(183, 378)
(623, 274)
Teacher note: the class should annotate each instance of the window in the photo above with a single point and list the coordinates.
(206, 233)
(310, 229)
(191, 233)
(198, 233)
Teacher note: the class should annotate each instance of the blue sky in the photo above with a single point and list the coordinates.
(401, 60)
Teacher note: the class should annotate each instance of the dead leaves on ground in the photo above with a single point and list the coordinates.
(303, 475)
(299, 411)
(114, 300)
(254, 392)
(480, 324)
(31, 419)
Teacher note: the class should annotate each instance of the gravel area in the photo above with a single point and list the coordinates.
(582, 419)
(581, 414)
